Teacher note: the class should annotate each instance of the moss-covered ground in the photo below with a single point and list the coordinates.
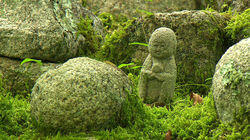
(136, 120)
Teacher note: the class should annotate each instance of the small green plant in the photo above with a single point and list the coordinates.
(239, 26)
(130, 68)
(138, 43)
(145, 12)
(31, 60)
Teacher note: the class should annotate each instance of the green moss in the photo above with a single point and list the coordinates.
(92, 39)
(111, 22)
(239, 26)
(116, 46)
(211, 3)
(232, 77)
(15, 114)
(84, 3)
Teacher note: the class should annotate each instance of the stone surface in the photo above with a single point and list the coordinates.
(82, 94)
(133, 8)
(200, 37)
(20, 79)
(231, 81)
(41, 29)
(158, 74)
(236, 5)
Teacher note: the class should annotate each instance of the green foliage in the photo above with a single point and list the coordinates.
(92, 39)
(14, 114)
(211, 3)
(31, 60)
(239, 26)
(111, 22)
(138, 43)
(84, 3)
(130, 68)
(144, 12)
(116, 47)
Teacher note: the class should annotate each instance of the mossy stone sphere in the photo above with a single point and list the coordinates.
(231, 82)
(83, 94)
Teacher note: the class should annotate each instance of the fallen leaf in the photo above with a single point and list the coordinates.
(159, 104)
(168, 135)
(196, 97)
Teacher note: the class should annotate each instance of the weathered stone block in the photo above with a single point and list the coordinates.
(200, 37)
(20, 79)
(132, 8)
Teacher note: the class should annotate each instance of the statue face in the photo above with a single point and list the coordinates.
(161, 49)
(162, 43)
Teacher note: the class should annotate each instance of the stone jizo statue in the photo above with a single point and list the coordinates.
(158, 74)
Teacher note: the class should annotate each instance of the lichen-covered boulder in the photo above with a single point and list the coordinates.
(42, 29)
(20, 79)
(82, 94)
(133, 8)
(231, 81)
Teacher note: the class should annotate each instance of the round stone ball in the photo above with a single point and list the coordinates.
(81, 95)
(162, 43)
(231, 81)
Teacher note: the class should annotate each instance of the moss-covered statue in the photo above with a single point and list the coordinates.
(158, 75)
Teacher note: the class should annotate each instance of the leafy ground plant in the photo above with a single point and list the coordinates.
(239, 26)
(31, 60)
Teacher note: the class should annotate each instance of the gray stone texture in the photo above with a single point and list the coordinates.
(20, 79)
(158, 74)
(82, 94)
(231, 81)
(41, 29)
(236, 5)
(131, 8)
(200, 37)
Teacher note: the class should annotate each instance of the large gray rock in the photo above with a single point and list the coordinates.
(231, 81)
(82, 94)
(132, 8)
(41, 29)
(20, 79)
(158, 74)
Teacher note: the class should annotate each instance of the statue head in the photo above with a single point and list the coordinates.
(162, 43)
